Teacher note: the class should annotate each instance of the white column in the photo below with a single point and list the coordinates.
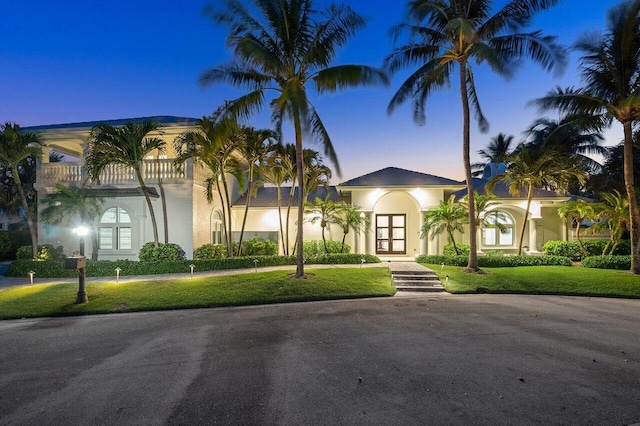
(370, 239)
(424, 247)
(533, 235)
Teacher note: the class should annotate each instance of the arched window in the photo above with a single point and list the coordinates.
(497, 229)
(115, 230)
(215, 225)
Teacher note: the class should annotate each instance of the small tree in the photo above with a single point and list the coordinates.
(578, 211)
(351, 219)
(448, 217)
(324, 211)
(614, 212)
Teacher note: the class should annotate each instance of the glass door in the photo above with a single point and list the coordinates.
(390, 234)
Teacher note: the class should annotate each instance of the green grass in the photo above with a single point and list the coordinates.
(563, 280)
(245, 289)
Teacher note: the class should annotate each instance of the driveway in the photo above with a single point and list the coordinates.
(428, 360)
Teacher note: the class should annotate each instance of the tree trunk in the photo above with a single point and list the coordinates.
(33, 230)
(227, 198)
(154, 224)
(299, 164)
(292, 191)
(634, 213)
(324, 240)
(246, 209)
(284, 248)
(472, 265)
(224, 218)
(164, 203)
(526, 217)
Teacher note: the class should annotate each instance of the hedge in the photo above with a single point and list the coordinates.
(607, 262)
(495, 261)
(572, 250)
(106, 268)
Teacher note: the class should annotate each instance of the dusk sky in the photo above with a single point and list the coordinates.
(73, 61)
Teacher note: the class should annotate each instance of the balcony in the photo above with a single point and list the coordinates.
(68, 173)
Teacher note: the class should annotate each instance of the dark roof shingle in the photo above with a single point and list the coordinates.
(267, 196)
(394, 176)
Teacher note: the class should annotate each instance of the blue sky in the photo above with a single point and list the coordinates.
(72, 61)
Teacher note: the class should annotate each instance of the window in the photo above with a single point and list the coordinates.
(390, 234)
(215, 225)
(497, 229)
(114, 232)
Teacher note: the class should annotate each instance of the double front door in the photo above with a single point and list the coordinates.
(391, 234)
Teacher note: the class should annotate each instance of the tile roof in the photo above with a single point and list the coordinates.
(502, 191)
(394, 176)
(108, 192)
(267, 196)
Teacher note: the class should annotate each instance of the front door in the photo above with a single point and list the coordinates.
(391, 234)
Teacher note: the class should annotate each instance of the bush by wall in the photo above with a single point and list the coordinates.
(17, 239)
(607, 262)
(164, 252)
(497, 261)
(45, 252)
(572, 250)
(257, 247)
(210, 251)
(313, 248)
(448, 250)
(342, 259)
(5, 244)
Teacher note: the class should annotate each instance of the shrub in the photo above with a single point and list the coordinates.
(607, 262)
(5, 244)
(341, 258)
(448, 250)
(258, 247)
(210, 251)
(150, 253)
(45, 252)
(497, 261)
(568, 249)
(313, 248)
(17, 238)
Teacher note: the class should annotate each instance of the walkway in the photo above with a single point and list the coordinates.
(414, 277)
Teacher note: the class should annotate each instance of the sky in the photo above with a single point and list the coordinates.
(73, 61)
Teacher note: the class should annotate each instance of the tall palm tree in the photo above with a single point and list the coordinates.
(450, 216)
(498, 148)
(67, 202)
(126, 147)
(255, 147)
(214, 145)
(483, 202)
(289, 48)
(445, 33)
(17, 149)
(611, 75)
(530, 170)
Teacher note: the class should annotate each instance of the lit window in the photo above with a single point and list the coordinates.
(497, 229)
(115, 230)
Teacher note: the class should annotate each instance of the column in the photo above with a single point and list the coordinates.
(533, 235)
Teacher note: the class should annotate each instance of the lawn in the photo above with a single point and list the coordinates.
(231, 290)
(542, 280)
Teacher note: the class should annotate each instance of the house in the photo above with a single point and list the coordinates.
(393, 199)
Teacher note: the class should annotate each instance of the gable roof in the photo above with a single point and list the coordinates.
(501, 190)
(395, 176)
(267, 196)
(161, 119)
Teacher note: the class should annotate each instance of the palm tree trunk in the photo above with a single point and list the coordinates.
(164, 202)
(582, 247)
(526, 216)
(299, 164)
(324, 240)
(344, 237)
(33, 230)
(246, 209)
(228, 202)
(291, 194)
(284, 249)
(224, 217)
(145, 191)
(472, 265)
(634, 213)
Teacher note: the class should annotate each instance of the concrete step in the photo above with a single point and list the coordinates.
(410, 272)
(424, 289)
(416, 277)
(421, 283)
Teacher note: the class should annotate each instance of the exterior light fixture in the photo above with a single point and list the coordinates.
(31, 274)
(118, 275)
(191, 267)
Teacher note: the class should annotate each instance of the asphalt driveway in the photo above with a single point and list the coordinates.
(431, 360)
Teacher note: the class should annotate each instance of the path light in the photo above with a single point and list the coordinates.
(118, 275)
(442, 266)
(191, 267)
(255, 266)
(31, 274)
(446, 279)
(362, 261)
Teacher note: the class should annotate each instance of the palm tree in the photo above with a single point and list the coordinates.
(255, 147)
(125, 147)
(17, 150)
(614, 210)
(530, 170)
(214, 145)
(276, 171)
(611, 75)
(579, 211)
(448, 217)
(443, 33)
(69, 202)
(351, 219)
(325, 211)
(483, 202)
(498, 148)
(289, 48)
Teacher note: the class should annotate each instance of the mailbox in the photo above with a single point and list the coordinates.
(77, 262)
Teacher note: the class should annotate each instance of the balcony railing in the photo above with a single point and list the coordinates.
(152, 170)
